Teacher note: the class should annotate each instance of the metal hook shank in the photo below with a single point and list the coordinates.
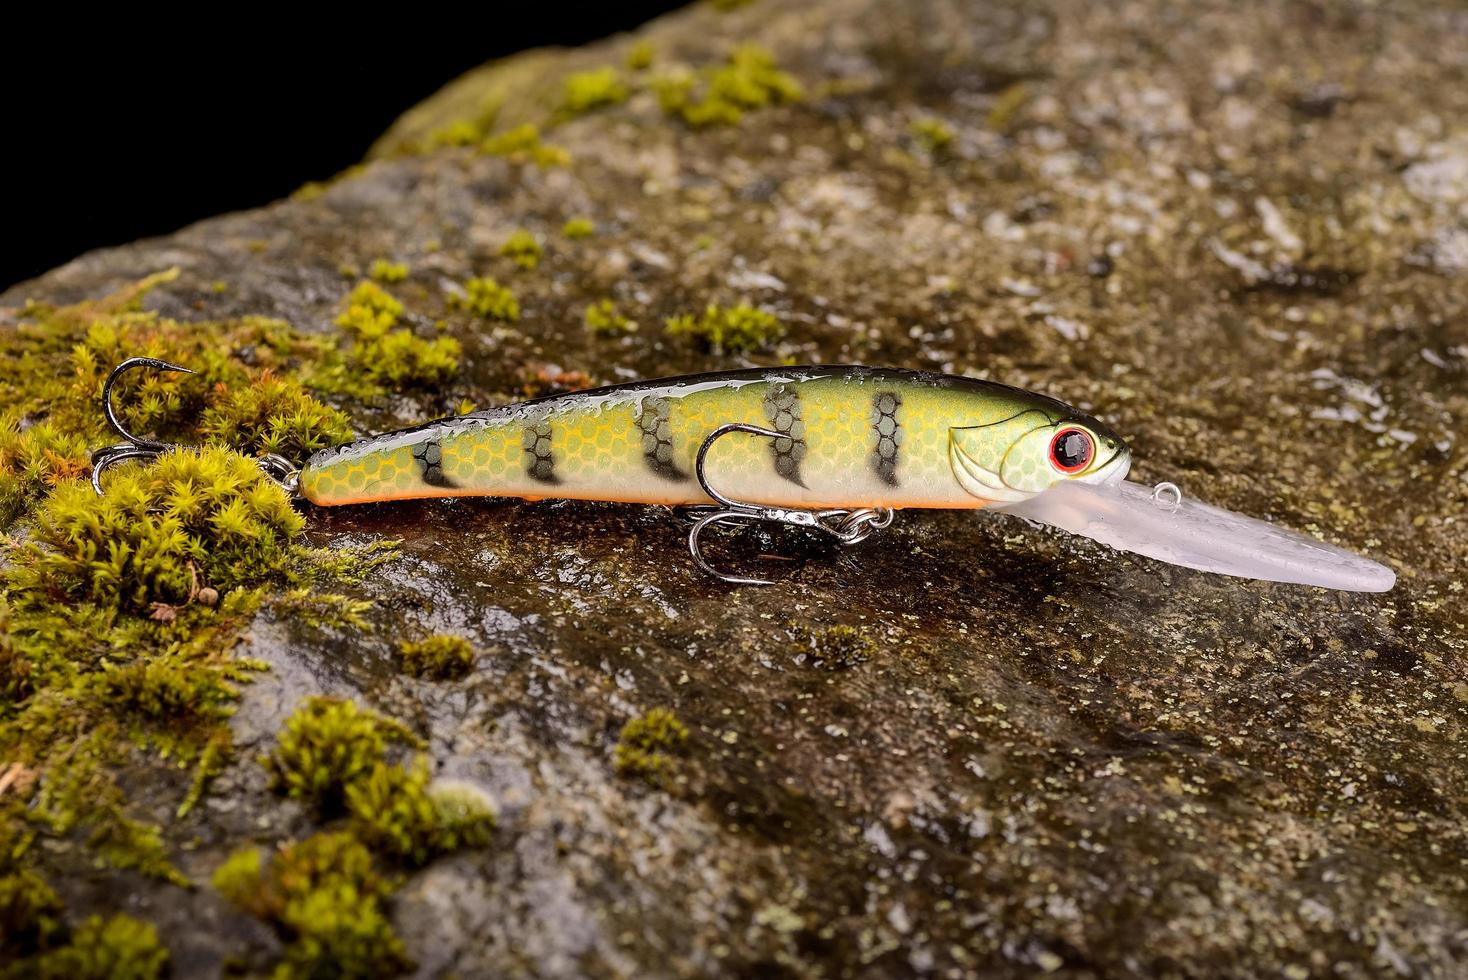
(846, 526)
(107, 410)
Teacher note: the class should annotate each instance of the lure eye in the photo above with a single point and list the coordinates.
(1071, 450)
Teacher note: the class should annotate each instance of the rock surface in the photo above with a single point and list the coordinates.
(1239, 233)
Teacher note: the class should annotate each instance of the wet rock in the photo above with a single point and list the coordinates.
(1048, 756)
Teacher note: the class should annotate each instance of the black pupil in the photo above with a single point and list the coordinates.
(1073, 450)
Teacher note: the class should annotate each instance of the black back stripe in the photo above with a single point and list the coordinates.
(782, 408)
(655, 427)
(429, 456)
(887, 430)
(540, 461)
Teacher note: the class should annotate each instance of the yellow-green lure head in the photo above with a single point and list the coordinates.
(1014, 458)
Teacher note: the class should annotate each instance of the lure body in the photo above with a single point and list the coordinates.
(848, 437)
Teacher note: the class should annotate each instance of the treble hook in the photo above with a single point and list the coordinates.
(277, 468)
(135, 447)
(846, 526)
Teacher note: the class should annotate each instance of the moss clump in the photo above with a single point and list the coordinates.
(33, 461)
(647, 744)
(30, 913)
(326, 745)
(325, 897)
(487, 298)
(273, 414)
(397, 812)
(461, 133)
(579, 228)
(834, 647)
(119, 948)
(640, 56)
(465, 814)
(585, 91)
(932, 134)
(522, 248)
(159, 530)
(1006, 107)
(522, 144)
(602, 318)
(389, 355)
(729, 329)
(748, 80)
(440, 657)
(389, 272)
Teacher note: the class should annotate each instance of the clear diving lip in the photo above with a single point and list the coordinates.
(1130, 517)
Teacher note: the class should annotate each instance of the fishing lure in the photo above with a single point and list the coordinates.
(835, 449)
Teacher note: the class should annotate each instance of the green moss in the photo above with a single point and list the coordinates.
(587, 90)
(324, 896)
(579, 228)
(386, 354)
(522, 248)
(729, 329)
(603, 318)
(207, 515)
(522, 144)
(440, 657)
(119, 615)
(460, 133)
(722, 95)
(834, 647)
(30, 913)
(325, 746)
(119, 948)
(487, 298)
(388, 272)
(466, 816)
(399, 813)
(273, 414)
(647, 745)
(933, 134)
(1007, 104)
(640, 56)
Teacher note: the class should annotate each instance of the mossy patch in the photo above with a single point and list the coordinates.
(387, 354)
(522, 248)
(440, 657)
(119, 614)
(584, 91)
(386, 271)
(116, 948)
(730, 329)
(647, 746)
(720, 96)
(932, 134)
(523, 144)
(485, 297)
(640, 56)
(326, 745)
(325, 897)
(578, 228)
(604, 319)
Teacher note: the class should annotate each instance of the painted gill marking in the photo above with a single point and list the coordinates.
(782, 408)
(888, 432)
(540, 462)
(654, 422)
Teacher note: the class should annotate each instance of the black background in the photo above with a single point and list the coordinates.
(138, 128)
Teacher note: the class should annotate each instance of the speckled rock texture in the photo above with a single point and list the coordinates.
(1237, 232)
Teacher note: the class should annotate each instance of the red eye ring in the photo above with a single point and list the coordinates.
(1071, 450)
